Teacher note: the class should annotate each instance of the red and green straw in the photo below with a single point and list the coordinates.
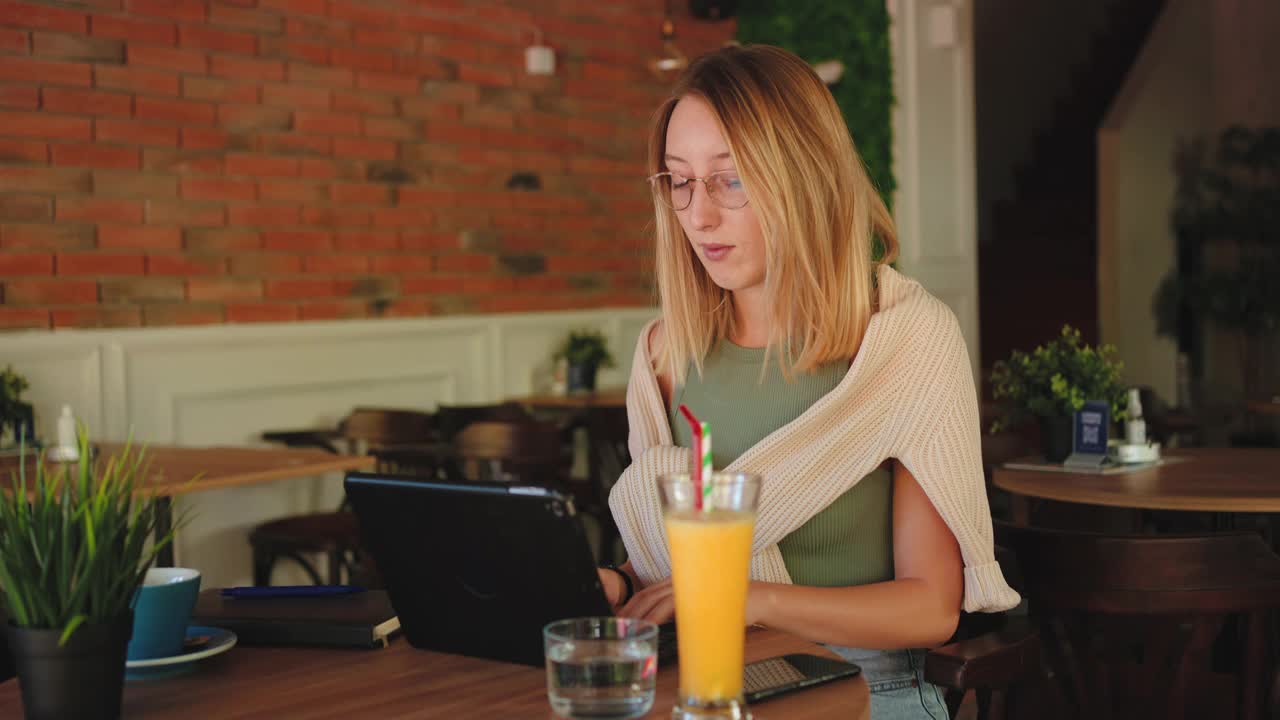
(701, 465)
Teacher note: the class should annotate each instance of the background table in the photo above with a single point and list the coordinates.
(179, 470)
(1234, 480)
(401, 681)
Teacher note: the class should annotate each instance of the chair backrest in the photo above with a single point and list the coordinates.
(451, 419)
(1128, 621)
(528, 451)
(380, 427)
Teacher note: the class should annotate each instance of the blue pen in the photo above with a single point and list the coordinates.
(291, 591)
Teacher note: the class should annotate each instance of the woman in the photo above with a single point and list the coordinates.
(844, 384)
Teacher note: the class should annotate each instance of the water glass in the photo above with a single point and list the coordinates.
(601, 667)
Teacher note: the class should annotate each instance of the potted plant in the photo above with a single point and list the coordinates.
(73, 551)
(15, 415)
(585, 352)
(1054, 381)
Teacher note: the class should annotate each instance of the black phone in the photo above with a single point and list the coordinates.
(779, 675)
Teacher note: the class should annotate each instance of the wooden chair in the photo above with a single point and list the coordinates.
(335, 535)
(1129, 623)
(524, 451)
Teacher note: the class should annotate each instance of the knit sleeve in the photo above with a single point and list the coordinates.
(942, 447)
(638, 511)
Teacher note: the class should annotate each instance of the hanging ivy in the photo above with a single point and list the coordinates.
(855, 32)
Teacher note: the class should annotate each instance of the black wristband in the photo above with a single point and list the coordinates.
(626, 582)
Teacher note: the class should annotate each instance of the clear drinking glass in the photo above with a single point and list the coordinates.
(601, 667)
(710, 570)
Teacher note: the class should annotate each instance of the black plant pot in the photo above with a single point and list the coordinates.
(82, 679)
(581, 378)
(1055, 437)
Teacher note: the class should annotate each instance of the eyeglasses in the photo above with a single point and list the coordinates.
(676, 191)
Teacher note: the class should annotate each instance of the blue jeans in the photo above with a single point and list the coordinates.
(898, 687)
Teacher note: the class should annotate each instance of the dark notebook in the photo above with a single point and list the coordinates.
(363, 619)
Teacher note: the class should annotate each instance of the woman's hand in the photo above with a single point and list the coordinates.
(656, 603)
(613, 586)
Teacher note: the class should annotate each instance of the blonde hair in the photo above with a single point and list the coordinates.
(817, 208)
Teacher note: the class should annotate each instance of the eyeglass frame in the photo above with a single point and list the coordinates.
(705, 187)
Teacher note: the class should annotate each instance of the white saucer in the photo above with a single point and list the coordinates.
(220, 641)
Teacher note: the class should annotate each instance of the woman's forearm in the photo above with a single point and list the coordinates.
(905, 613)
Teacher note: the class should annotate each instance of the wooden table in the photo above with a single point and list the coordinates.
(401, 682)
(179, 470)
(1232, 480)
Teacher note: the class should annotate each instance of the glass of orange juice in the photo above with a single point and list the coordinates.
(710, 543)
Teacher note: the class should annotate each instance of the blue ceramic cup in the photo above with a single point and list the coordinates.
(161, 610)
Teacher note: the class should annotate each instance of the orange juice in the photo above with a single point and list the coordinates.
(710, 559)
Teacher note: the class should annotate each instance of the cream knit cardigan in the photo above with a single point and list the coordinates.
(908, 395)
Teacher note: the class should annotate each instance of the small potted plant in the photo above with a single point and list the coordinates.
(585, 352)
(15, 415)
(73, 551)
(1054, 381)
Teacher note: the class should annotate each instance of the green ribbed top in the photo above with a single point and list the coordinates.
(848, 543)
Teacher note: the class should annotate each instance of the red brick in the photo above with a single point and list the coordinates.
(26, 208)
(134, 133)
(218, 90)
(471, 52)
(100, 264)
(396, 83)
(430, 285)
(265, 264)
(44, 125)
(95, 209)
(408, 308)
(142, 289)
(402, 264)
(422, 67)
(483, 31)
(22, 69)
(12, 264)
(186, 214)
(253, 118)
(98, 156)
(398, 217)
(312, 75)
(224, 289)
(360, 193)
(363, 103)
(46, 237)
(139, 237)
(297, 7)
(204, 138)
(135, 79)
(296, 240)
(181, 162)
(23, 151)
(261, 165)
(207, 38)
(393, 128)
(182, 314)
(77, 47)
(300, 288)
(364, 148)
(465, 262)
(20, 97)
(357, 12)
(41, 179)
(85, 102)
(12, 318)
(44, 17)
(291, 191)
(97, 317)
(291, 144)
(234, 67)
(261, 312)
(296, 96)
(184, 265)
(218, 189)
(361, 240)
(185, 60)
(221, 240)
(389, 39)
(326, 123)
(293, 49)
(248, 19)
(50, 292)
(335, 217)
(361, 59)
(264, 215)
(491, 77)
(336, 264)
(187, 10)
(131, 184)
(14, 41)
(428, 241)
(181, 111)
(333, 310)
(125, 27)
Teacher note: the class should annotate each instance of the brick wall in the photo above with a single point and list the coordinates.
(169, 162)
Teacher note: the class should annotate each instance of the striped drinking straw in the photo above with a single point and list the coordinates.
(701, 465)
